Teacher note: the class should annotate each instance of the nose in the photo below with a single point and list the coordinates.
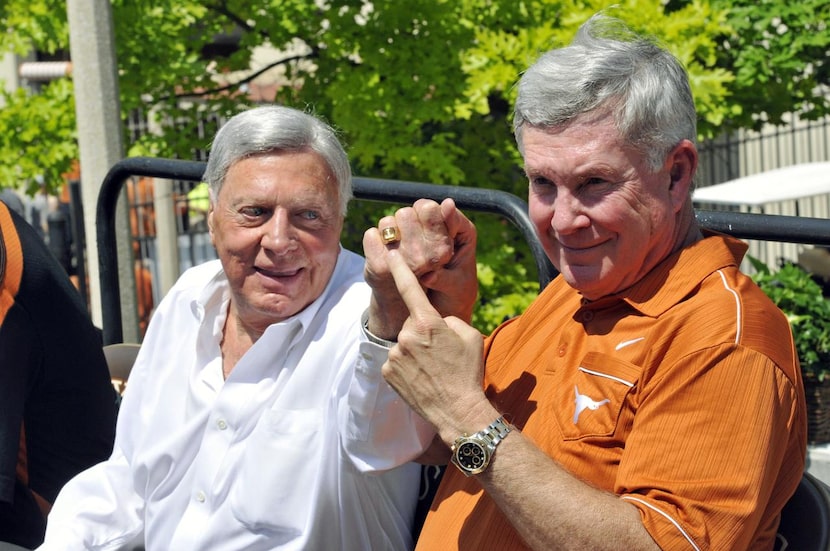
(278, 234)
(568, 214)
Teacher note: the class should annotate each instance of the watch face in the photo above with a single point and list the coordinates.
(471, 456)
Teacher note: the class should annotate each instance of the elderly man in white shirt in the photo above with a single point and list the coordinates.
(256, 416)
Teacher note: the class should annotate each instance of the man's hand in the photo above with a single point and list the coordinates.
(437, 363)
(438, 244)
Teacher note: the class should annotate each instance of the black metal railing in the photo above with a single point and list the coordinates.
(788, 229)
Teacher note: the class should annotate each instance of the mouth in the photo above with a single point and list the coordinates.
(277, 274)
(580, 248)
(572, 249)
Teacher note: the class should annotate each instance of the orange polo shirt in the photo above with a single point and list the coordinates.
(682, 395)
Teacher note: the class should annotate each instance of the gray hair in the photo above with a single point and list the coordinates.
(274, 129)
(608, 66)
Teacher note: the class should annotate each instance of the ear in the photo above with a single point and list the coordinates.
(682, 163)
(210, 217)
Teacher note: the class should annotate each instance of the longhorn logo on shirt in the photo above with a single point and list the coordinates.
(584, 402)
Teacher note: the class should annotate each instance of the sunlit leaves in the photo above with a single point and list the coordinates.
(38, 135)
(420, 89)
(779, 53)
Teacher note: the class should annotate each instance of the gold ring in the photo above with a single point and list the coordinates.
(390, 235)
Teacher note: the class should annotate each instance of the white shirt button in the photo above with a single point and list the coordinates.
(221, 424)
(200, 497)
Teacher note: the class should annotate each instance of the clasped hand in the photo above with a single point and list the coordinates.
(428, 281)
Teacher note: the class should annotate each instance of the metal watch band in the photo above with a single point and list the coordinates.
(495, 432)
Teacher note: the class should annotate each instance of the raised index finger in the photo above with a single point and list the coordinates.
(409, 287)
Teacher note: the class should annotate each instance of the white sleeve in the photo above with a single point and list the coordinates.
(97, 509)
(379, 429)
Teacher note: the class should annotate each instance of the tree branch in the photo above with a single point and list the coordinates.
(233, 85)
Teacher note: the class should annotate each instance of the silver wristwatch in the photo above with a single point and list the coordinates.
(472, 454)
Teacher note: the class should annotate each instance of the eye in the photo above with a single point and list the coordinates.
(541, 181)
(595, 185)
(253, 211)
(309, 215)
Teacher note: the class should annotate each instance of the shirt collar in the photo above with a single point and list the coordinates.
(678, 274)
(216, 295)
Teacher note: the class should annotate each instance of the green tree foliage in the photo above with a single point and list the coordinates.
(779, 54)
(37, 131)
(37, 135)
(800, 297)
(421, 90)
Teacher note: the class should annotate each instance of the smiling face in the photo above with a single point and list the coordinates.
(603, 217)
(276, 227)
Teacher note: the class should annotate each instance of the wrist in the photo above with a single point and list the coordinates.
(371, 337)
(470, 419)
(385, 317)
(473, 453)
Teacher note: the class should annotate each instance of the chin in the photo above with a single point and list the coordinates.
(582, 279)
(288, 308)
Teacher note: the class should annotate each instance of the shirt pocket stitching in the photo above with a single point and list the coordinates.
(590, 386)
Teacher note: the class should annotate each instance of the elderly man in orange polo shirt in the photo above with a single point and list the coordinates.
(650, 398)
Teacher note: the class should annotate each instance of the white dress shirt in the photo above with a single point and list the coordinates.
(304, 446)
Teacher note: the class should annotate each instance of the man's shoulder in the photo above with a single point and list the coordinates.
(192, 282)
(349, 271)
(347, 286)
(556, 300)
(350, 265)
(557, 296)
(199, 274)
